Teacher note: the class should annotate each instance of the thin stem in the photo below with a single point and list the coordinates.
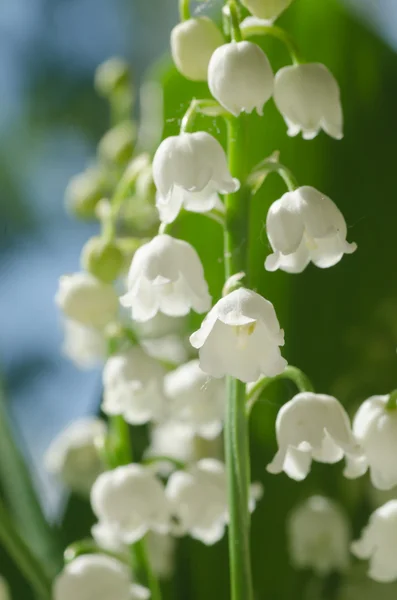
(276, 32)
(257, 176)
(28, 564)
(147, 575)
(89, 547)
(231, 9)
(294, 374)
(236, 426)
(206, 106)
(150, 460)
(184, 10)
(392, 402)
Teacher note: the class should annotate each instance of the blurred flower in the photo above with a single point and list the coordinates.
(166, 275)
(303, 226)
(189, 170)
(198, 500)
(319, 536)
(240, 77)
(240, 337)
(117, 145)
(266, 9)
(192, 44)
(85, 346)
(4, 589)
(102, 258)
(195, 399)
(84, 191)
(112, 75)
(133, 387)
(375, 428)
(308, 97)
(87, 300)
(356, 586)
(378, 543)
(131, 501)
(73, 454)
(311, 426)
(97, 576)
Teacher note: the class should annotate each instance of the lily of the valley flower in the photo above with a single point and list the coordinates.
(166, 275)
(308, 97)
(85, 346)
(311, 426)
(266, 9)
(240, 77)
(305, 225)
(198, 499)
(240, 337)
(378, 543)
(131, 501)
(85, 299)
(319, 536)
(375, 428)
(97, 576)
(133, 387)
(189, 170)
(192, 43)
(73, 454)
(195, 399)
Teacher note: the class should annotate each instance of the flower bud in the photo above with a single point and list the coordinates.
(117, 145)
(84, 191)
(266, 9)
(112, 75)
(102, 259)
(240, 77)
(87, 300)
(192, 45)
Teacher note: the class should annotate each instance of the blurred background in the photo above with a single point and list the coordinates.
(341, 324)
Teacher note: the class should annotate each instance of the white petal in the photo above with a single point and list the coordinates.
(284, 224)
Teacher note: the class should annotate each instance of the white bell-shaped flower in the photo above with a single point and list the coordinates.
(192, 44)
(4, 589)
(240, 77)
(266, 9)
(131, 500)
(311, 426)
(73, 455)
(240, 337)
(195, 399)
(85, 346)
(308, 97)
(97, 576)
(375, 428)
(189, 170)
(166, 275)
(303, 226)
(319, 536)
(378, 543)
(133, 387)
(198, 499)
(87, 300)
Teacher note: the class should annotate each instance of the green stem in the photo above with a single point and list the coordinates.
(18, 550)
(294, 374)
(178, 464)
(392, 402)
(89, 547)
(236, 426)
(147, 574)
(271, 166)
(278, 33)
(184, 10)
(232, 10)
(205, 106)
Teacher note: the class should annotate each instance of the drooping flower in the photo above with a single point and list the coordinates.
(166, 275)
(266, 9)
(308, 97)
(303, 226)
(375, 428)
(240, 337)
(378, 543)
(133, 387)
(198, 499)
(73, 454)
(189, 170)
(97, 576)
(131, 501)
(85, 346)
(87, 300)
(319, 536)
(311, 427)
(195, 399)
(192, 44)
(240, 77)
